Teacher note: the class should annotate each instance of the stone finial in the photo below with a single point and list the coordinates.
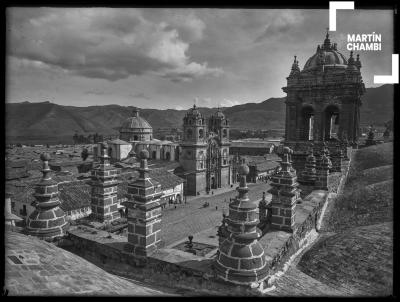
(358, 62)
(135, 112)
(45, 156)
(327, 41)
(244, 169)
(295, 67)
(144, 154)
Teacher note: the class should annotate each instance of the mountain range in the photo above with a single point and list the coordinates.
(45, 120)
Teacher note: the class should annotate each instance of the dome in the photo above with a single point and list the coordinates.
(219, 114)
(194, 112)
(327, 54)
(135, 121)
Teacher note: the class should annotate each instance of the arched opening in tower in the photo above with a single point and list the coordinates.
(331, 122)
(308, 123)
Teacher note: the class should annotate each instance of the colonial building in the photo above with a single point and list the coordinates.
(135, 135)
(204, 156)
(323, 101)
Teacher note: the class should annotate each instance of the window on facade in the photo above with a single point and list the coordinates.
(12, 205)
(23, 210)
(201, 133)
(225, 133)
(189, 133)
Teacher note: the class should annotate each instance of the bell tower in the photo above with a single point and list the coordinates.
(218, 164)
(193, 151)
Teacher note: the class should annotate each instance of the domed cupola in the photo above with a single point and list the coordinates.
(326, 54)
(136, 128)
(193, 116)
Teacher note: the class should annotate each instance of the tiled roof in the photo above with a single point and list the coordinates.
(74, 195)
(251, 145)
(166, 179)
(18, 163)
(15, 173)
(166, 165)
(265, 165)
(118, 142)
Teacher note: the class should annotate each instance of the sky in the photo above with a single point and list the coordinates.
(173, 58)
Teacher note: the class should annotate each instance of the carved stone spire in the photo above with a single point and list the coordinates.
(327, 41)
(48, 221)
(295, 67)
(358, 62)
(241, 257)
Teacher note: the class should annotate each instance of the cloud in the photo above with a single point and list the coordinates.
(140, 95)
(96, 92)
(281, 22)
(189, 26)
(107, 43)
(229, 103)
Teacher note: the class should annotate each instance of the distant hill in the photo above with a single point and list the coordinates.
(47, 120)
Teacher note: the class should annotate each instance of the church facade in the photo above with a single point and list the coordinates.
(204, 158)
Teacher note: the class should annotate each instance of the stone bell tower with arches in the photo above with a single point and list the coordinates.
(194, 151)
(323, 101)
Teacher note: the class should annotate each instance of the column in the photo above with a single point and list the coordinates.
(284, 195)
(104, 183)
(144, 212)
(323, 166)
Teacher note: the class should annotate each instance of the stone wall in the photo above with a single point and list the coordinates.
(293, 243)
(183, 275)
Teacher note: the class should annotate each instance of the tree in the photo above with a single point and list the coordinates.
(84, 154)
